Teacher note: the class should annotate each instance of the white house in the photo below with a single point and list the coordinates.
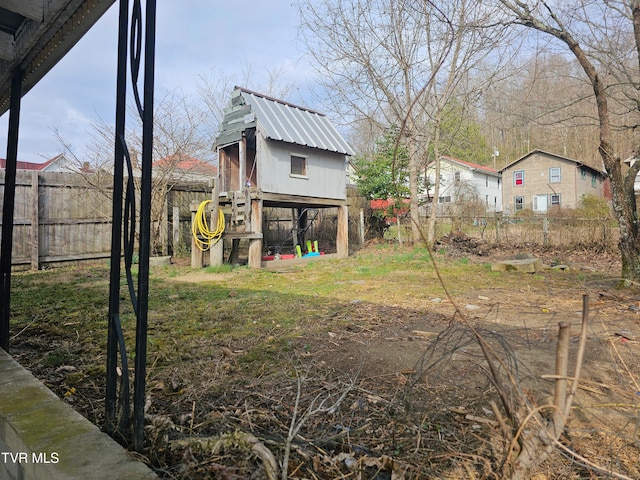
(464, 182)
(59, 163)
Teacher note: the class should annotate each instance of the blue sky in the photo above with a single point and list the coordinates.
(194, 38)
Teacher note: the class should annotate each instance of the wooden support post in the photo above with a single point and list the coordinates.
(342, 237)
(35, 221)
(216, 252)
(255, 244)
(196, 253)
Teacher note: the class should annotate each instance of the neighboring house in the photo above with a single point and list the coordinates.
(184, 168)
(59, 163)
(636, 184)
(466, 182)
(540, 181)
(352, 173)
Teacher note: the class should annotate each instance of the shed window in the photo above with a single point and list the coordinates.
(298, 165)
(518, 178)
(554, 175)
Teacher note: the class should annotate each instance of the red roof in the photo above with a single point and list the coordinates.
(187, 164)
(473, 165)
(28, 165)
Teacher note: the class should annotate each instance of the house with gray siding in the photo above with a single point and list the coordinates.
(272, 153)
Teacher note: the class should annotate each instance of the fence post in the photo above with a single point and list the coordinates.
(361, 226)
(175, 218)
(164, 226)
(545, 232)
(35, 221)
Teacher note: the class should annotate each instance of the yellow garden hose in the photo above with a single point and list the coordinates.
(205, 238)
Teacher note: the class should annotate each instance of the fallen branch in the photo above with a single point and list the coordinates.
(318, 405)
(236, 439)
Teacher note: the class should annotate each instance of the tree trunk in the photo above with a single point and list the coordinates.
(414, 170)
(624, 206)
(433, 213)
(623, 195)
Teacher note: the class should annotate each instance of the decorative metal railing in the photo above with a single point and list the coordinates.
(136, 49)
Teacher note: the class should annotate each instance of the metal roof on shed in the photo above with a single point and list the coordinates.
(290, 123)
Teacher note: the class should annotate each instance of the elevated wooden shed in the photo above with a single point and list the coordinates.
(275, 154)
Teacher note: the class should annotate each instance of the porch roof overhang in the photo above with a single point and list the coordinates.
(36, 34)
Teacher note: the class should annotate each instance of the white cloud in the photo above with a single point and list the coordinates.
(224, 36)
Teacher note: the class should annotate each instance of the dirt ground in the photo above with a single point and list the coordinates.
(418, 359)
(402, 390)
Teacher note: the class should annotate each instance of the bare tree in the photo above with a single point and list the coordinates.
(395, 63)
(180, 133)
(215, 87)
(604, 38)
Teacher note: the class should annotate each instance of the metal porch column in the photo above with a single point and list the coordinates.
(6, 246)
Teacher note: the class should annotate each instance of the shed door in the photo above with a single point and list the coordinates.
(540, 203)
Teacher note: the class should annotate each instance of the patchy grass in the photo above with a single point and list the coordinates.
(229, 347)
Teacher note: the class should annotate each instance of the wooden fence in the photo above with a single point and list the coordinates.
(58, 217)
(66, 217)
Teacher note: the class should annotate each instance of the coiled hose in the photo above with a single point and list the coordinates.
(205, 238)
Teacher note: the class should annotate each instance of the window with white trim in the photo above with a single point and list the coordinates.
(518, 178)
(518, 203)
(555, 199)
(554, 175)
